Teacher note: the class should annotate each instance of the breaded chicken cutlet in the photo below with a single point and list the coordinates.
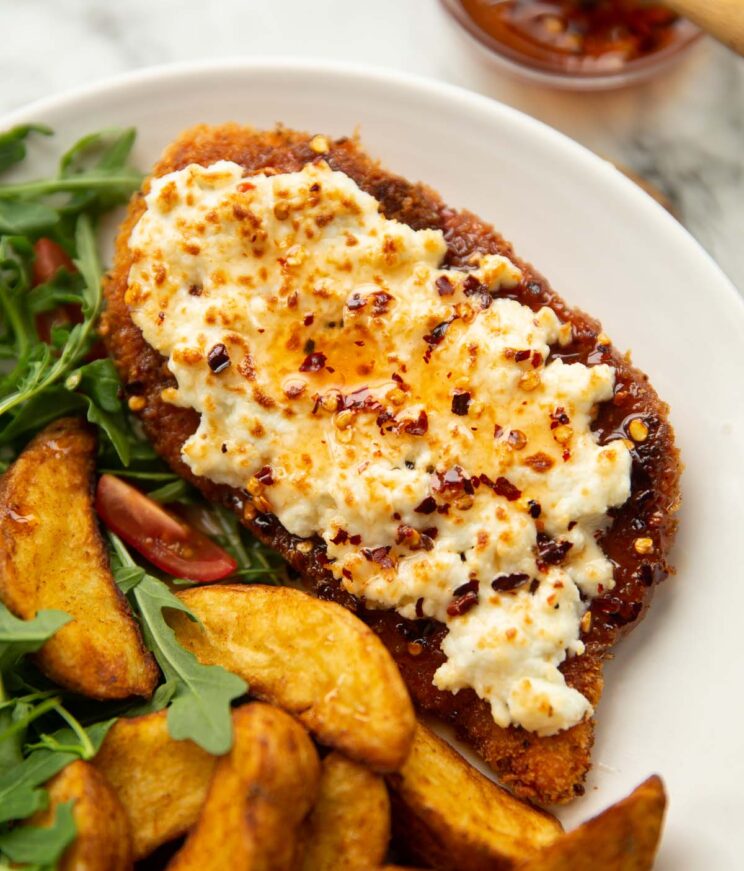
(342, 559)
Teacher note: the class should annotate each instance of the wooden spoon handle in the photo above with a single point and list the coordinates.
(723, 19)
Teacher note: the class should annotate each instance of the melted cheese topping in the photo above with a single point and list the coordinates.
(402, 412)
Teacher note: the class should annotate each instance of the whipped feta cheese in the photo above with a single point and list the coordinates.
(405, 413)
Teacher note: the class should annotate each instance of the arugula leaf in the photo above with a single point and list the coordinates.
(19, 637)
(253, 558)
(173, 491)
(39, 845)
(40, 410)
(94, 171)
(93, 388)
(99, 384)
(11, 749)
(12, 145)
(20, 792)
(105, 151)
(42, 369)
(199, 707)
(19, 216)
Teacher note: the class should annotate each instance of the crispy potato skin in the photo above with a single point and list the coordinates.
(447, 815)
(546, 770)
(625, 837)
(103, 841)
(349, 827)
(52, 556)
(311, 658)
(161, 783)
(260, 793)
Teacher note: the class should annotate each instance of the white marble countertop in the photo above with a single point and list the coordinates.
(684, 132)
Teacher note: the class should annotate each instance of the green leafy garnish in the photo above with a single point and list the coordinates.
(253, 558)
(21, 792)
(41, 846)
(94, 171)
(43, 369)
(19, 637)
(13, 145)
(48, 369)
(198, 696)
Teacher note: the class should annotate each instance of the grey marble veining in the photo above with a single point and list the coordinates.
(684, 132)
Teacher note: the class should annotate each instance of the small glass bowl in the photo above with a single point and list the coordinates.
(586, 79)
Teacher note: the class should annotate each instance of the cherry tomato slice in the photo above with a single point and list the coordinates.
(167, 542)
(49, 258)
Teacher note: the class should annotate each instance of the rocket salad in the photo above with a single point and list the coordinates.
(52, 364)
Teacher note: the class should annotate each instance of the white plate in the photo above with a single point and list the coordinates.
(674, 701)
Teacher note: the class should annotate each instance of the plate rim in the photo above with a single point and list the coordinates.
(424, 85)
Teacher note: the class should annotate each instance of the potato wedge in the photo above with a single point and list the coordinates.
(314, 659)
(448, 815)
(52, 556)
(260, 793)
(103, 841)
(162, 783)
(349, 828)
(625, 837)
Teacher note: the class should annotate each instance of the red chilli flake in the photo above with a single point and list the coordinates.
(454, 480)
(379, 555)
(505, 488)
(355, 302)
(535, 509)
(417, 427)
(436, 337)
(551, 552)
(218, 358)
(521, 356)
(474, 288)
(426, 506)
(308, 319)
(265, 475)
(559, 417)
(313, 362)
(341, 537)
(460, 402)
(502, 487)
(380, 302)
(444, 286)
(355, 540)
(505, 583)
(465, 597)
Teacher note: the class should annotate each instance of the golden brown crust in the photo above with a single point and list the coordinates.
(543, 769)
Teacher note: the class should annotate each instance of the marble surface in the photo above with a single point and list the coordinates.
(684, 132)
